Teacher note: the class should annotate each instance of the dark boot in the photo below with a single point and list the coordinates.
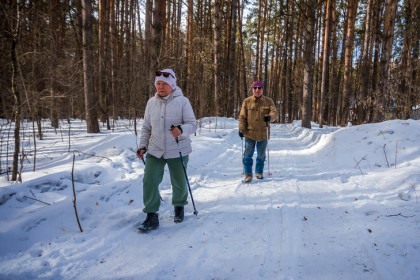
(179, 214)
(151, 222)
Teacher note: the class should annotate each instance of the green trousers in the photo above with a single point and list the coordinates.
(153, 175)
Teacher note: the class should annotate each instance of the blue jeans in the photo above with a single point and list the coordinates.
(249, 152)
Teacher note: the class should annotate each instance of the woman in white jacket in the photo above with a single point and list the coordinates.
(169, 107)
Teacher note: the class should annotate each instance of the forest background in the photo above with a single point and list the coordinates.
(329, 61)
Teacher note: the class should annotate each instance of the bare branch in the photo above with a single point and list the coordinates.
(399, 214)
(386, 158)
(396, 152)
(92, 155)
(357, 164)
(74, 194)
(36, 199)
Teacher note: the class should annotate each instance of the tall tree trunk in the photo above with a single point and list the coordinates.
(261, 49)
(158, 23)
(273, 65)
(351, 19)
(297, 70)
(257, 51)
(308, 62)
(54, 43)
(268, 44)
(415, 83)
(180, 42)
(147, 53)
(364, 86)
(339, 79)
(333, 86)
(16, 94)
(406, 62)
(325, 64)
(383, 95)
(231, 64)
(319, 39)
(283, 87)
(107, 65)
(217, 34)
(90, 97)
(242, 56)
(190, 36)
(102, 37)
(290, 82)
(113, 53)
(377, 18)
(275, 76)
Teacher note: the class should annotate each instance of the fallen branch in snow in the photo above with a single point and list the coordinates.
(74, 194)
(91, 155)
(36, 199)
(386, 158)
(357, 164)
(396, 152)
(399, 214)
(9, 169)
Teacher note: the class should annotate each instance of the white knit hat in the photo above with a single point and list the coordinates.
(170, 80)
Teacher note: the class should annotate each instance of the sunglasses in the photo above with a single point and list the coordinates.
(257, 87)
(165, 74)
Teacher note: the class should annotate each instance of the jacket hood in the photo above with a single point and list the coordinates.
(176, 92)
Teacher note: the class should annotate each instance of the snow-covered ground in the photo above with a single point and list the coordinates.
(342, 203)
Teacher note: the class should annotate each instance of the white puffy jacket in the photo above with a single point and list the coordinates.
(159, 116)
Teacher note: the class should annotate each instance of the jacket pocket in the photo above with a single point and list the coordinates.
(265, 110)
(252, 106)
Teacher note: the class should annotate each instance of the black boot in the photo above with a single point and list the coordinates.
(151, 222)
(179, 214)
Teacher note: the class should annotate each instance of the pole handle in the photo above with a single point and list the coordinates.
(176, 138)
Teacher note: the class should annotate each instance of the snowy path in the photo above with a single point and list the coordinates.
(316, 217)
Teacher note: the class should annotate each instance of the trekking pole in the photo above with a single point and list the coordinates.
(243, 166)
(185, 173)
(268, 152)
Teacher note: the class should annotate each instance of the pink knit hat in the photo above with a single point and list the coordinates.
(258, 83)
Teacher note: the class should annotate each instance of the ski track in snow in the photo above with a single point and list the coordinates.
(314, 218)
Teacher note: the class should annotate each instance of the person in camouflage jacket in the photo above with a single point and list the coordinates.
(254, 120)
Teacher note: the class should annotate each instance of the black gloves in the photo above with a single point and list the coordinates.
(241, 134)
(267, 118)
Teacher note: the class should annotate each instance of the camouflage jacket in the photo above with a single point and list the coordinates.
(251, 120)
